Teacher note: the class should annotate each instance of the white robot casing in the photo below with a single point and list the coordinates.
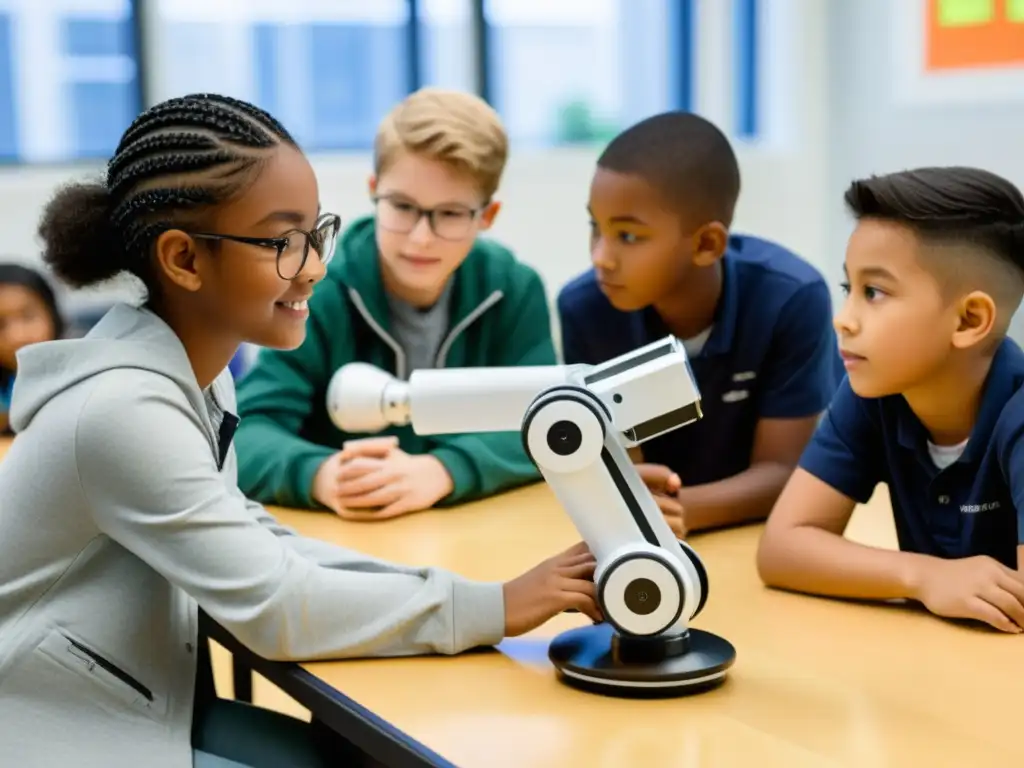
(577, 423)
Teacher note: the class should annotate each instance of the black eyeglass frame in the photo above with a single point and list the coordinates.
(430, 213)
(280, 243)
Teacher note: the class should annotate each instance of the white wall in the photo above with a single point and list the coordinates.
(884, 119)
(842, 106)
(545, 192)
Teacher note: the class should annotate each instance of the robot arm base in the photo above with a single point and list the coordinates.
(598, 660)
(649, 585)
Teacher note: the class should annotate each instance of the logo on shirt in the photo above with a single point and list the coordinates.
(735, 395)
(973, 509)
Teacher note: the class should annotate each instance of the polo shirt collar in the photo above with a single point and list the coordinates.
(723, 332)
(646, 323)
(999, 387)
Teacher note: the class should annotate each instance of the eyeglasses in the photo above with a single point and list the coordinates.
(293, 246)
(449, 222)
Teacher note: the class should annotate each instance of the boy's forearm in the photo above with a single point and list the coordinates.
(742, 498)
(1020, 558)
(815, 561)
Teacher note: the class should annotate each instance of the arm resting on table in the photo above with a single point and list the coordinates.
(750, 495)
(803, 549)
(798, 382)
(164, 500)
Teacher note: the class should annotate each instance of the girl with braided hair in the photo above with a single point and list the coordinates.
(121, 516)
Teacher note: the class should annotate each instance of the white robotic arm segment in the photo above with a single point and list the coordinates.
(576, 424)
(362, 398)
(647, 582)
(648, 392)
(462, 400)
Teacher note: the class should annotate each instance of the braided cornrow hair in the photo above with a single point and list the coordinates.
(176, 159)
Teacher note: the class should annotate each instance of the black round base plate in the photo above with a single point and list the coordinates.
(586, 658)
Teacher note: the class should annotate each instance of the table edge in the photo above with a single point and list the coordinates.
(366, 730)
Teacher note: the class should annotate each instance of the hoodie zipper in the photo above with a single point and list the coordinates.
(384, 335)
(446, 345)
(91, 657)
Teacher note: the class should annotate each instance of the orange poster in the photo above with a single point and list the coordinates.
(974, 34)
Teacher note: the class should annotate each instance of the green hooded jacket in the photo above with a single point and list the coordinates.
(499, 317)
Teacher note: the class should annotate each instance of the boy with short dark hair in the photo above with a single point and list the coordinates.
(754, 318)
(413, 287)
(932, 406)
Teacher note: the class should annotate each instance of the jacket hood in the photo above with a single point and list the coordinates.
(126, 337)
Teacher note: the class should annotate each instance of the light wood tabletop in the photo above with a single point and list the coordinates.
(816, 682)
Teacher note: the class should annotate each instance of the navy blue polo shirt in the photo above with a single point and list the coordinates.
(772, 354)
(973, 507)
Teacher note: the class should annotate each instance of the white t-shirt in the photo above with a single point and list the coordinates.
(695, 344)
(944, 455)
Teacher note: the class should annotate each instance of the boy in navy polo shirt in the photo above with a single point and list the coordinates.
(933, 406)
(754, 317)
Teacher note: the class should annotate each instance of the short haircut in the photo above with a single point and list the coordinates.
(971, 221)
(685, 157)
(458, 129)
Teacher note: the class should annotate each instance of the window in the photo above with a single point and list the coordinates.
(68, 78)
(579, 71)
(8, 128)
(100, 82)
(446, 44)
(328, 69)
(746, 50)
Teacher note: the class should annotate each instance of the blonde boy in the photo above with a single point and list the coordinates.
(413, 287)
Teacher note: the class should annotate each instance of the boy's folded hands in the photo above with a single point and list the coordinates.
(374, 479)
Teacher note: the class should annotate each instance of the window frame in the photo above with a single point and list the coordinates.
(684, 60)
(138, 50)
(746, 49)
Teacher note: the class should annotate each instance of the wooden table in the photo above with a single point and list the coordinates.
(816, 683)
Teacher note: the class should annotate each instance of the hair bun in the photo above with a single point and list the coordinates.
(80, 244)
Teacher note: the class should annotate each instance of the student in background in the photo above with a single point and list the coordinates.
(120, 512)
(28, 315)
(932, 406)
(754, 318)
(413, 286)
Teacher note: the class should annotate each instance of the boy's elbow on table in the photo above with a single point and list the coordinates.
(770, 558)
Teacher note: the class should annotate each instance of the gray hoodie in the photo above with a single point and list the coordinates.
(120, 516)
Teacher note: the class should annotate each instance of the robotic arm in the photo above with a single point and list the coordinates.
(577, 423)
